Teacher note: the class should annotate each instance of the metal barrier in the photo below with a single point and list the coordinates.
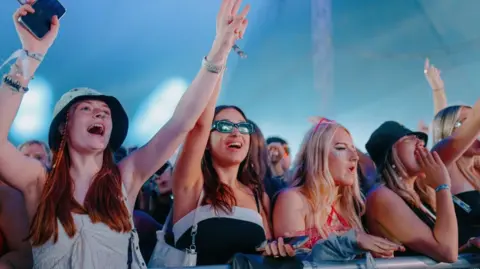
(464, 261)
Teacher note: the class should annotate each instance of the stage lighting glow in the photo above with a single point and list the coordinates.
(35, 112)
(157, 109)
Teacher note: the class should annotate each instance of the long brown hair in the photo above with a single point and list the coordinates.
(103, 201)
(221, 195)
(259, 153)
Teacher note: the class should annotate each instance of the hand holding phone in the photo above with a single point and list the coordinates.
(29, 18)
(283, 247)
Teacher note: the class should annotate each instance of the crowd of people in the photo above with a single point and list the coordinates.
(82, 200)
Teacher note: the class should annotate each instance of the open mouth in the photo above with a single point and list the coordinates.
(96, 129)
(234, 145)
(352, 169)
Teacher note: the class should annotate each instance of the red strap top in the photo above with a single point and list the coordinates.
(332, 225)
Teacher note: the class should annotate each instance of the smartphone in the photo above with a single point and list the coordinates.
(296, 242)
(39, 22)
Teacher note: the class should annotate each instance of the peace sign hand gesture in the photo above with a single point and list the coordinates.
(231, 26)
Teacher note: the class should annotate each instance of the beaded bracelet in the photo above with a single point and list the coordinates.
(213, 68)
(14, 84)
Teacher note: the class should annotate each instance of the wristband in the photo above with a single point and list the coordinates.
(442, 187)
(33, 55)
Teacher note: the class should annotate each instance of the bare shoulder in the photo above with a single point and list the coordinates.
(290, 198)
(382, 199)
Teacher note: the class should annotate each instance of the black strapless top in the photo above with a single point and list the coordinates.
(426, 218)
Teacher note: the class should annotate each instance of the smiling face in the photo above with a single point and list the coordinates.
(89, 126)
(343, 158)
(229, 148)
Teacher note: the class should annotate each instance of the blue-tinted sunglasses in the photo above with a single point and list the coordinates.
(226, 127)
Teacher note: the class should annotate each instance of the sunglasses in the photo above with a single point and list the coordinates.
(227, 127)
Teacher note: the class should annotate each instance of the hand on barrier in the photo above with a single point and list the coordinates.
(380, 248)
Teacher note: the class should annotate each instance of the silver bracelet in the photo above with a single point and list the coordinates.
(212, 68)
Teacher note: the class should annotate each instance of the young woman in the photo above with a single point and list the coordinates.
(465, 170)
(403, 209)
(455, 132)
(325, 197)
(15, 251)
(80, 211)
(216, 166)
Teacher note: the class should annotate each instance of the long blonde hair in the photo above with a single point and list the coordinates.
(314, 180)
(391, 173)
(443, 127)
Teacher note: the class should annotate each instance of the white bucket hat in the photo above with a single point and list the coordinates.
(119, 116)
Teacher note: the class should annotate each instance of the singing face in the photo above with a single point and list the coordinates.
(230, 137)
(89, 126)
(343, 159)
(405, 148)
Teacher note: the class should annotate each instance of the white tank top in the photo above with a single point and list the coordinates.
(94, 246)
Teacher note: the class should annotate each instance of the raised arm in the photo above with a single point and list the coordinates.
(187, 169)
(432, 74)
(18, 170)
(454, 146)
(145, 161)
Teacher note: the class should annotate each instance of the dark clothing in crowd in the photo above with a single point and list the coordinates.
(273, 185)
(467, 209)
(163, 204)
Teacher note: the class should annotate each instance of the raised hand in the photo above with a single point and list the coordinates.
(231, 26)
(380, 248)
(432, 167)
(432, 74)
(29, 41)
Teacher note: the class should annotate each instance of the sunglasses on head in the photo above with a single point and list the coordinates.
(227, 127)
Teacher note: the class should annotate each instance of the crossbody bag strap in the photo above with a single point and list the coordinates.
(131, 239)
(193, 247)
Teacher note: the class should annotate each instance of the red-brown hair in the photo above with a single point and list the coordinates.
(103, 201)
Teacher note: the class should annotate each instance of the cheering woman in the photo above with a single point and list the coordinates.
(80, 211)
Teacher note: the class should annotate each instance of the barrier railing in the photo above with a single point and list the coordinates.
(464, 261)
